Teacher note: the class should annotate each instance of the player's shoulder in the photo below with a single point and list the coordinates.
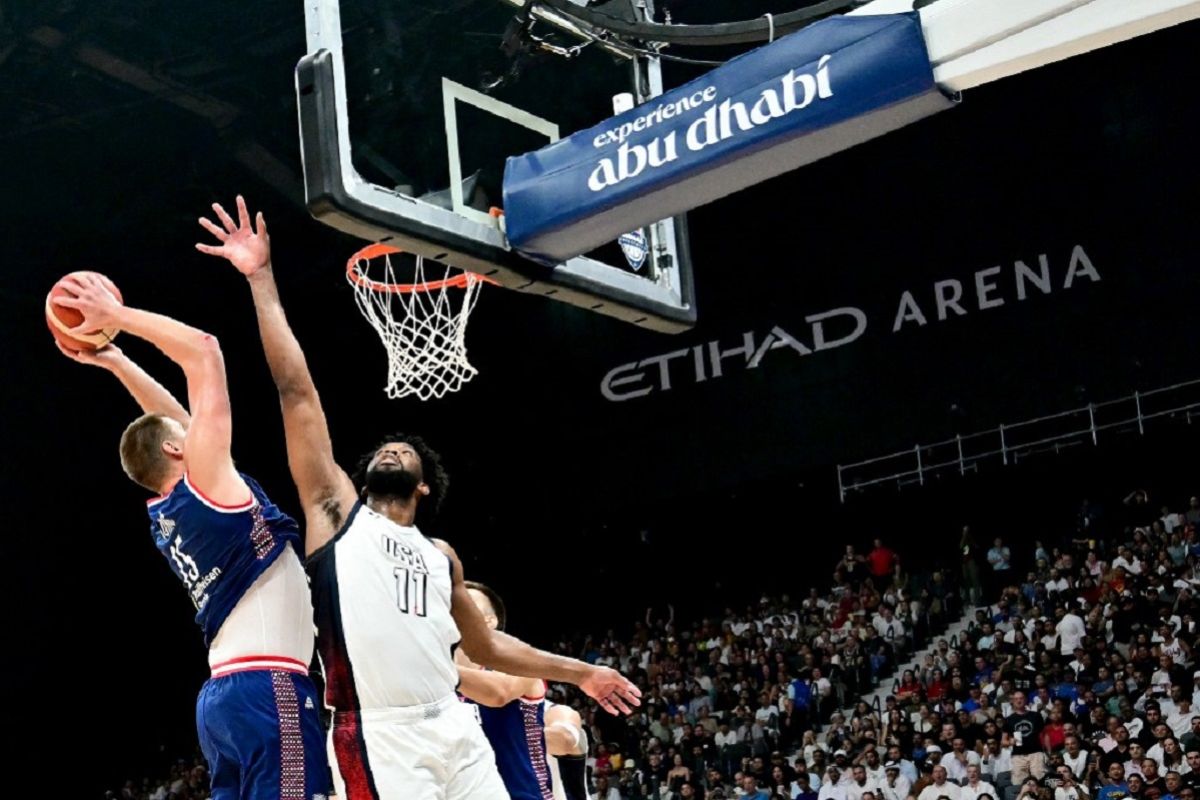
(444, 546)
(456, 568)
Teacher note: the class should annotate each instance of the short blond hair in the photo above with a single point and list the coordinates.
(142, 455)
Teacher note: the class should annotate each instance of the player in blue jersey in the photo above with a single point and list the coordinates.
(540, 747)
(235, 552)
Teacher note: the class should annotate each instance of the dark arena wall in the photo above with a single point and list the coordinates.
(1030, 251)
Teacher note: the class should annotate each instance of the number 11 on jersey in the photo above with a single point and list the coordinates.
(411, 591)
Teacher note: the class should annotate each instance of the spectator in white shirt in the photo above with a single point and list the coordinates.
(975, 785)
(1180, 721)
(725, 736)
(604, 791)
(940, 787)
(1128, 562)
(1070, 629)
(859, 784)
(958, 760)
(766, 712)
(1068, 787)
(1075, 757)
(875, 772)
(1058, 583)
(895, 786)
(832, 788)
(888, 626)
(997, 761)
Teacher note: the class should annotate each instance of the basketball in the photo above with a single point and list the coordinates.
(61, 319)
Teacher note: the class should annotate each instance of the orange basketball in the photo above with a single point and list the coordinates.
(61, 319)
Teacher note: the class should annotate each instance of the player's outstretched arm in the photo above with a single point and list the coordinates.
(502, 652)
(325, 490)
(152, 396)
(493, 689)
(207, 454)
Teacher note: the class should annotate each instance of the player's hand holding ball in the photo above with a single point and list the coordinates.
(82, 311)
(613, 691)
(107, 357)
(245, 248)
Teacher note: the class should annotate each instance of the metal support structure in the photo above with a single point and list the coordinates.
(1010, 443)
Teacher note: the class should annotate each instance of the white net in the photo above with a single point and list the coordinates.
(422, 321)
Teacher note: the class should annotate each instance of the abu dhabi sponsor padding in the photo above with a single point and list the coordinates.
(808, 95)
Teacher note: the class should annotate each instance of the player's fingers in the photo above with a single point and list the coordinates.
(72, 285)
(243, 213)
(208, 249)
(632, 689)
(607, 706)
(93, 282)
(82, 328)
(66, 300)
(109, 286)
(620, 705)
(226, 220)
(630, 697)
(261, 222)
(214, 229)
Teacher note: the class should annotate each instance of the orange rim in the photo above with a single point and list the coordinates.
(459, 281)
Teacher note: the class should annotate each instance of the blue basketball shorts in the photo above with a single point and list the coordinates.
(261, 732)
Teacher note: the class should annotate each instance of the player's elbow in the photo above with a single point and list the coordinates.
(204, 352)
(206, 347)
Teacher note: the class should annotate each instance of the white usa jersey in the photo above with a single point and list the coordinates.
(381, 593)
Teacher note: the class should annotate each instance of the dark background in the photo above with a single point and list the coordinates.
(123, 120)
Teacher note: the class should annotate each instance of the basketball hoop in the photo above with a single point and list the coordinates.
(422, 323)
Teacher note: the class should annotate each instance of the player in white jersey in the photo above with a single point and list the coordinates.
(391, 604)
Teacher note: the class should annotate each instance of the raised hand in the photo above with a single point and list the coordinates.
(611, 690)
(244, 247)
(91, 297)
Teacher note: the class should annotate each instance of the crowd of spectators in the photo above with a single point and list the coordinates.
(733, 703)
(1076, 679)
(184, 779)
